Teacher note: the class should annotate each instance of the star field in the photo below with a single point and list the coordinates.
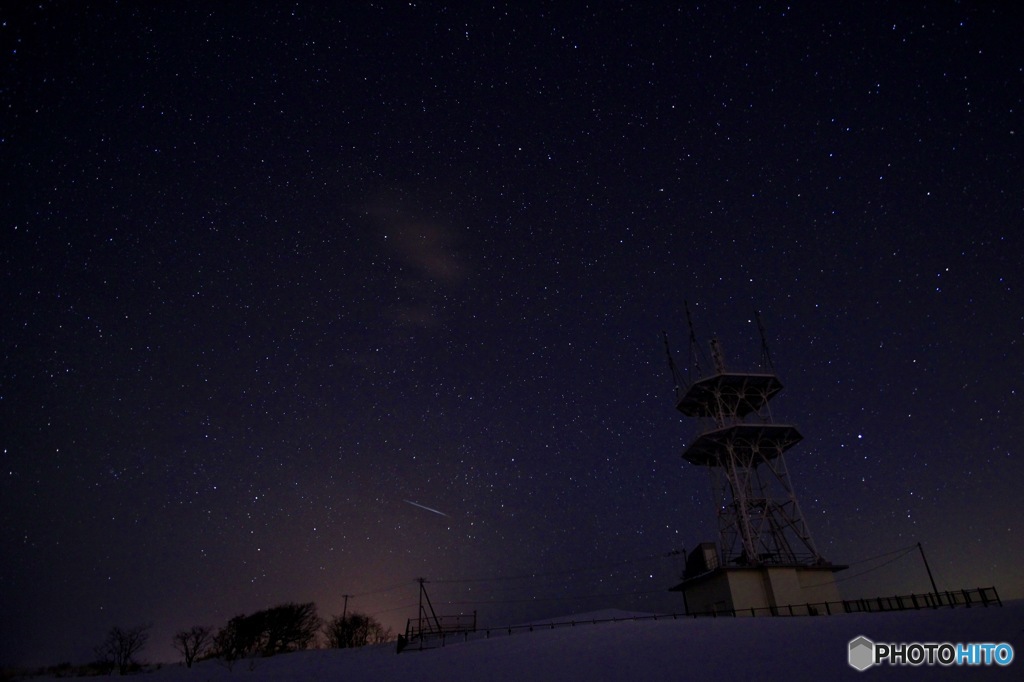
(271, 271)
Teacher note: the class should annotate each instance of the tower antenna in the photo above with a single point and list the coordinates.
(694, 350)
(672, 366)
(766, 356)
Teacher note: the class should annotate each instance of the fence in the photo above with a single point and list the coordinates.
(427, 632)
(981, 596)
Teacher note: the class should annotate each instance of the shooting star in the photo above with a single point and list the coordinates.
(427, 508)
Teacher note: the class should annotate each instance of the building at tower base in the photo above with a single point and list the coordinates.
(798, 590)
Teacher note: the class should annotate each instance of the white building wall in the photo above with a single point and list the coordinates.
(761, 589)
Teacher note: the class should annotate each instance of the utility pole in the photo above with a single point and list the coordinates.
(423, 611)
(935, 590)
(420, 619)
(344, 609)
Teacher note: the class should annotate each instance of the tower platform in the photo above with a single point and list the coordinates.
(750, 444)
(729, 393)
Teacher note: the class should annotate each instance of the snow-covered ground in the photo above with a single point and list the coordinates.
(803, 648)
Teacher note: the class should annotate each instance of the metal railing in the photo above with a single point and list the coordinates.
(981, 596)
(425, 633)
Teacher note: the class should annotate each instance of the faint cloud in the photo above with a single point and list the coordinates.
(428, 251)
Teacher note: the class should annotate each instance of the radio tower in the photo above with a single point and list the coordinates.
(762, 536)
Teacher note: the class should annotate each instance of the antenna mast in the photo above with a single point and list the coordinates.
(672, 366)
(694, 350)
(766, 356)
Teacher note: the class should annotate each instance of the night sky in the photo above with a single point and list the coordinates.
(272, 272)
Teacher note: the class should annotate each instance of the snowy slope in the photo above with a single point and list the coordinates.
(694, 649)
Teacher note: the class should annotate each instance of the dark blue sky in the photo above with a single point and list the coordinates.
(269, 272)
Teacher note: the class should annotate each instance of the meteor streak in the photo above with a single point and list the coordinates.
(427, 508)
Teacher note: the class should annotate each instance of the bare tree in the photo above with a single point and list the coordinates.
(104, 663)
(289, 627)
(355, 630)
(121, 646)
(283, 628)
(193, 643)
(233, 641)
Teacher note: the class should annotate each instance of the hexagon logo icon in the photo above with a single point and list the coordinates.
(862, 653)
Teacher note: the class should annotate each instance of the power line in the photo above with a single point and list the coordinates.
(555, 599)
(397, 608)
(896, 558)
(571, 571)
(379, 590)
(861, 561)
(527, 576)
(905, 551)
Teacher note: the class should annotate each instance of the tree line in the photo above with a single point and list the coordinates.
(280, 629)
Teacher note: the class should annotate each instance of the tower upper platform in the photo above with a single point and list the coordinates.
(729, 394)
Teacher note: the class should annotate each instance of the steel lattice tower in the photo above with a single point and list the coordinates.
(759, 518)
